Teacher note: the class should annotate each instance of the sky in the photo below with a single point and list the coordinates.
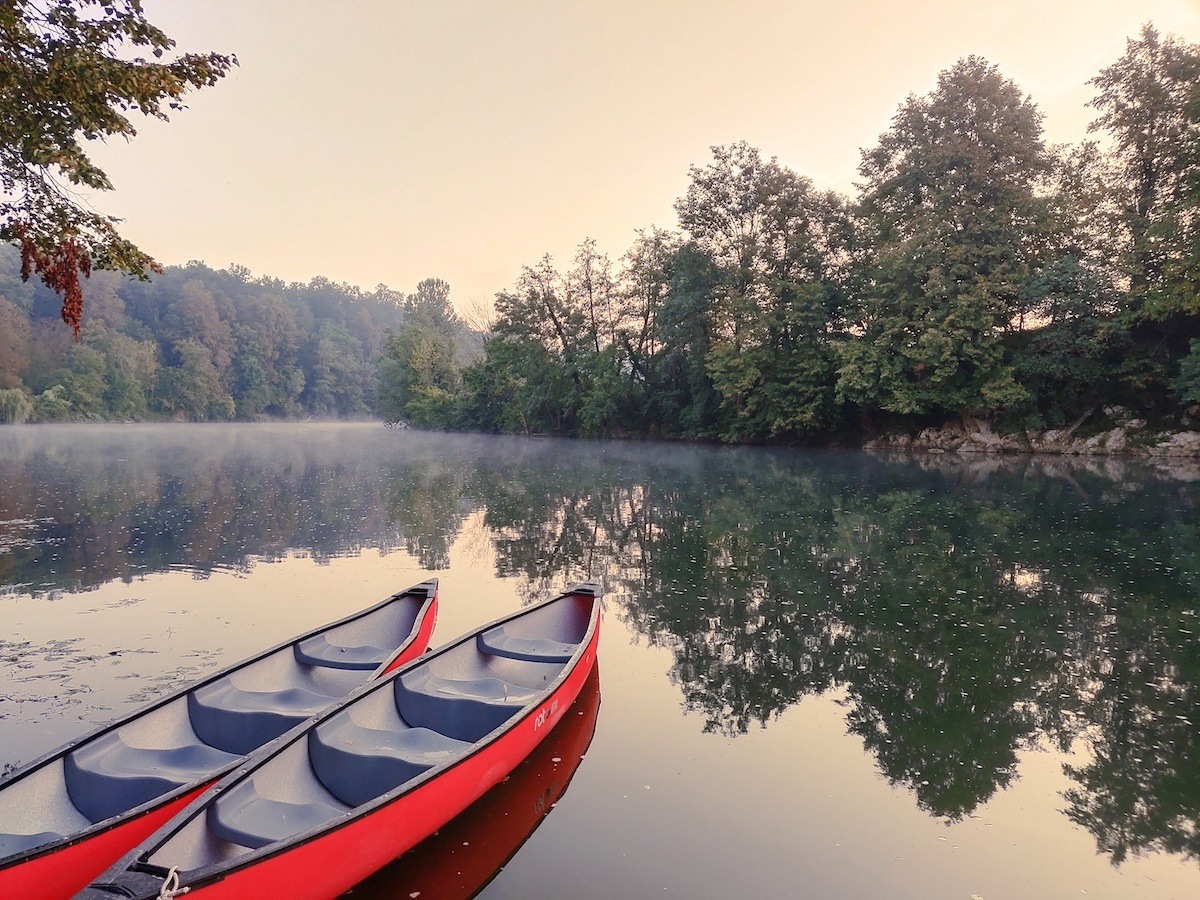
(385, 141)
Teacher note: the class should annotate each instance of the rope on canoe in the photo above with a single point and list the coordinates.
(171, 889)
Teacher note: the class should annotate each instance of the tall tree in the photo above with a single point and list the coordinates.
(192, 391)
(418, 378)
(949, 218)
(1149, 104)
(69, 72)
(430, 306)
(419, 374)
(592, 289)
(773, 239)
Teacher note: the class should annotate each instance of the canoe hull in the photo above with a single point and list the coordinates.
(64, 868)
(466, 854)
(331, 864)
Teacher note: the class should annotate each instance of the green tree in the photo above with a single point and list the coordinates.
(685, 402)
(84, 382)
(69, 73)
(339, 373)
(130, 374)
(419, 374)
(773, 239)
(192, 390)
(541, 338)
(267, 379)
(418, 378)
(949, 218)
(1068, 365)
(15, 406)
(430, 307)
(1150, 105)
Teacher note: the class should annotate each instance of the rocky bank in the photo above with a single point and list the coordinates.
(1114, 431)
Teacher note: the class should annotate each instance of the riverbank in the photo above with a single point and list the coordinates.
(1113, 431)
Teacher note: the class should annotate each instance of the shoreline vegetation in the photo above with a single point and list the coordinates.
(984, 292)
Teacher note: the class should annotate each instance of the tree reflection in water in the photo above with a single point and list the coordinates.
(962, 612)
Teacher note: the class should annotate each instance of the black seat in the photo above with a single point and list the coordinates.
(107, 777)
(358, 764)
(239, 721)
(243, 816)
(499, 642)
(465, 710)
(317, 651)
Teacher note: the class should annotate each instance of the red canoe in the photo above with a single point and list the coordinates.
(69, 815)
(341, 796)
(467, 853)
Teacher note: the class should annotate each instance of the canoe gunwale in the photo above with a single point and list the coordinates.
(206, 876)
(429, 588)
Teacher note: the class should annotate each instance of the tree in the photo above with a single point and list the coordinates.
(418, 378)
(339, 373)
(1068, 364)
(1069, 343)
(192, 390)
(592, 289)
(69, 73)
(418, 375)
(1150, 105)
(949, 218)
(14, 343)
(773, 239)
(15, 406)
(430, 306)
(644, 285)
(685, 403)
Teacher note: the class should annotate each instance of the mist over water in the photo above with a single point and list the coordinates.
(824, 673)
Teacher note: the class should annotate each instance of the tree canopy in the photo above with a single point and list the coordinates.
(951, 220)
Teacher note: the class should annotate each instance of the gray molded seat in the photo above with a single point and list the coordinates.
(243, 816)
(240, 721)
(107, 777)
(499, 642)
(12, 844)
(464, 710)
(358, 764)
(317, 651)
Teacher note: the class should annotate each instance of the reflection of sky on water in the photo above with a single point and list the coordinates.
(860, 676)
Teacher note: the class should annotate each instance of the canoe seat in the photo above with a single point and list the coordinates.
(499, 642)
(238, 721)
(107, 777)
(465, 710)
(358, 764)
(243, 816)
(317, 651)
(12, 844)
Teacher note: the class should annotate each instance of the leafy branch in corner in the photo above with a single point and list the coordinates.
(70, 73)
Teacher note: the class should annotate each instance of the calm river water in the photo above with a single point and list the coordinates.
(822, 674)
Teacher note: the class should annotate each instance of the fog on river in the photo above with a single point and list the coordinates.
(822, 674)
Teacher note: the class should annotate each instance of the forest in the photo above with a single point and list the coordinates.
(196, 344)
(979, 273)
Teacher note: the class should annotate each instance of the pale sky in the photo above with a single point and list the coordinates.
(386, 141)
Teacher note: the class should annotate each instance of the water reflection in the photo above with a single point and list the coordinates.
(82, 507)
(966, 612)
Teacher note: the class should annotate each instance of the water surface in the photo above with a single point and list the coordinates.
(823, 674)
